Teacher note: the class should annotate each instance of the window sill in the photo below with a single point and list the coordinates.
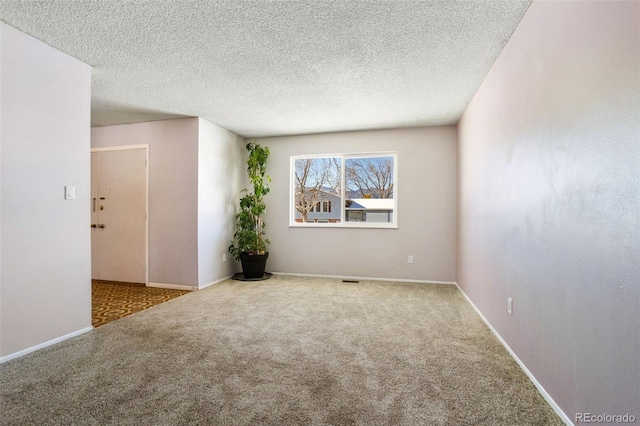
(350, 225)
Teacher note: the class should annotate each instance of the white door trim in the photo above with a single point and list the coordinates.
(121, 148)
(146, 198)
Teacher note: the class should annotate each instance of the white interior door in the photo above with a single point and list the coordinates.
(118, 215)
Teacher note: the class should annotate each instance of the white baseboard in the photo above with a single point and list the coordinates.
(346, 277)
(44, 345)
(524, 368)
(173, 286)
(214, 282)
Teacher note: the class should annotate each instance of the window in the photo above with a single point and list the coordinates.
(321, 207)
(354, 190)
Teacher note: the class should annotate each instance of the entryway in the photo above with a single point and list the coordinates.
(114, 300)
(119, 234)
(119, 194)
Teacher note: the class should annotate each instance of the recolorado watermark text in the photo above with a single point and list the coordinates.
(604, 418)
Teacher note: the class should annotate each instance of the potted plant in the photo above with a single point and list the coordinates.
(249, 244)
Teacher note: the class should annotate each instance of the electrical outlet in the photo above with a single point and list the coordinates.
(410, 259)
(510, 305)
(224, 257)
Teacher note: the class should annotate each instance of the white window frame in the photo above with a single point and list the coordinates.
(343, 223)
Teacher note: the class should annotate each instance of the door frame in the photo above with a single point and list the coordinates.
(146, 197)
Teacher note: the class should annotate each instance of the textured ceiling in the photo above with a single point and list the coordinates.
(264, 68)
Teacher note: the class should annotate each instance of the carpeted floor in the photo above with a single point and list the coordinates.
(114, 300)
(287, 351)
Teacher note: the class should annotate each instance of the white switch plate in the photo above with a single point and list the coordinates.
(510, 305)
(69, 192)
(224, 257)
(410, 259)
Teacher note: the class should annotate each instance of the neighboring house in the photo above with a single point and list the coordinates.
(369, 210)
(325, 210)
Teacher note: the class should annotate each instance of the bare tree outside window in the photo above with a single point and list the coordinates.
(316, 180)
(369, 177)
(355, 190)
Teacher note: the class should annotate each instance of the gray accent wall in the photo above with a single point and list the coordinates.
(45, 250)
(426, 192)
(549, 190)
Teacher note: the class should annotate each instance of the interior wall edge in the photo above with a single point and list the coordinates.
(43, 345)
(212, 283)
(521, 364)
(350, 277)
(173, 286)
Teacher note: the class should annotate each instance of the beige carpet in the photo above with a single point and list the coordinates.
(284, 351)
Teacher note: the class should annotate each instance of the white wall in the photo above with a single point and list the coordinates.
(221, 167)
(173, 193)
(549, 201)
(45, 273)
(426, 209)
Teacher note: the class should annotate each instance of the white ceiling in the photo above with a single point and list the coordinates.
(265, 68)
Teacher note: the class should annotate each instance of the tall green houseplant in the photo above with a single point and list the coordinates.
(249, 236)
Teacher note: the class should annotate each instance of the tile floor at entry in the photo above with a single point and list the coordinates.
(114, 300)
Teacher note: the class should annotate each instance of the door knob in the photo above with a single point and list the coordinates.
(93, 225)
(101, 225)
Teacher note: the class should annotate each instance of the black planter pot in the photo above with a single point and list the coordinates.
(253, 265)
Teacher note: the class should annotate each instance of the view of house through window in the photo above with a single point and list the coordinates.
(345, 189)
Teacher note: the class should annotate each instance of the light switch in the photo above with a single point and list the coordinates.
(69, 192)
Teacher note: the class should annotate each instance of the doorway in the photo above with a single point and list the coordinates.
(119, 214)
